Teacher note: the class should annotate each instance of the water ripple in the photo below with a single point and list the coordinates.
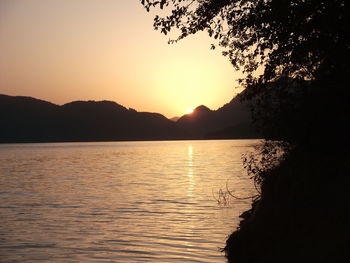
(119, 202)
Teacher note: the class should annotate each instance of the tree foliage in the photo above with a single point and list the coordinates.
(290, 37)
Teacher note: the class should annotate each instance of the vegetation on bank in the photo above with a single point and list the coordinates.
(302, 213)
(300, 103)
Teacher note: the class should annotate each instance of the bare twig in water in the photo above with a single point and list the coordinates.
(228, 191)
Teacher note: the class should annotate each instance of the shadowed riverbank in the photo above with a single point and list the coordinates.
(303, 213)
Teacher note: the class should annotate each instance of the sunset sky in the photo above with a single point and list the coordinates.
(65, 50)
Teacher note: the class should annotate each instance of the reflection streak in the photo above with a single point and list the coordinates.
(190, 171)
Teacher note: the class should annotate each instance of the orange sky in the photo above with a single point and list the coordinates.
(65, 50)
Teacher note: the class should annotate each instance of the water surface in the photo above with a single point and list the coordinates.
(119, 201)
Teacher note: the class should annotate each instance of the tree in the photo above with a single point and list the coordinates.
(301, 102)
(292, 38)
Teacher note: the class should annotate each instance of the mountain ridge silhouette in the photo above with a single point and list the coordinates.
(27, 119)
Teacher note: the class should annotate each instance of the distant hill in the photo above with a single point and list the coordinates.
(25, 119)
(174, 118)
(233, 120)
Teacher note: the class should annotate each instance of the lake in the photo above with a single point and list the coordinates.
(120, 201)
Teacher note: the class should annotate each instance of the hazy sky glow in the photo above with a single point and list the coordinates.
(65, 50)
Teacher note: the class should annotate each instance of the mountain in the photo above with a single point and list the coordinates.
(25, 119)
(233, 120)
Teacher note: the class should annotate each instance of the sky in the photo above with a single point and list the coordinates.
(66, 50)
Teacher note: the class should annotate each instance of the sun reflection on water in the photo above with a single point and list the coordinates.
(190, 171)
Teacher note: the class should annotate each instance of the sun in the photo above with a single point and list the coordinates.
(189, 111)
